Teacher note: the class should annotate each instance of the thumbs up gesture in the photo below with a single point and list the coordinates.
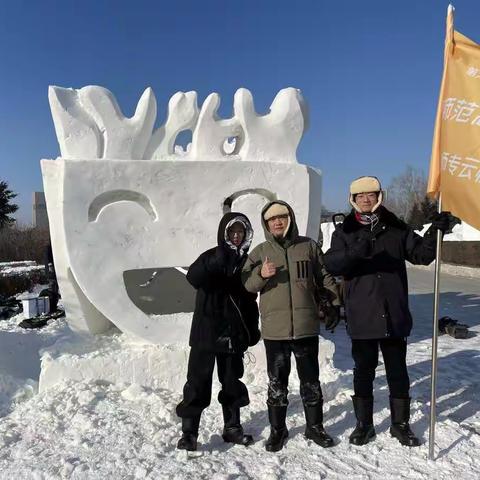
(268, 269)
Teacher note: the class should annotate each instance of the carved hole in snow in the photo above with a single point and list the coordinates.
(232, 145)
(113, 196)
(250, 202)
(267, 195)
(183, 142)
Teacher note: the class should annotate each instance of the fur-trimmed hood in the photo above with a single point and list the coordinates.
(292, 232)
(226, 222)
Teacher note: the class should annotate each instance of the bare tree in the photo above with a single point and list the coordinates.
(23, 243)
(406, 190)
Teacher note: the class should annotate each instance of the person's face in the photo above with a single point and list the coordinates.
(366, 201)
(236, 234)
(277, 225)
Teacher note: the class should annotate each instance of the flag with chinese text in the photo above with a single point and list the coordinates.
(455, 161)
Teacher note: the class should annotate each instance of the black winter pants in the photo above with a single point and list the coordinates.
(365, 356)
(278, 366)
(197, 392)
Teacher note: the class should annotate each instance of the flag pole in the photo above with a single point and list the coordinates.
(449, 43)
(436, 296)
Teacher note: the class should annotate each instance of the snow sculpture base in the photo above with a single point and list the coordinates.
(117, 358)
(112, 216)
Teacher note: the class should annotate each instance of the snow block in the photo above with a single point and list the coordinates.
(118, 358)
(119, 215)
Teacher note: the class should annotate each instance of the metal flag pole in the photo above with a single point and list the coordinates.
(436, 302)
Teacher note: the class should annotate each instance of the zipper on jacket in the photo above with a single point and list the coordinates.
(290, 296)
(241, 318)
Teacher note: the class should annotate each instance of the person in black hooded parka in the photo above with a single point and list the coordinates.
(369, 250)
(224, 325)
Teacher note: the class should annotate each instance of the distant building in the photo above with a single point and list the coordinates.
(39, 210)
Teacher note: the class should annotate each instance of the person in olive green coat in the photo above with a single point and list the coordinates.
(288, 271)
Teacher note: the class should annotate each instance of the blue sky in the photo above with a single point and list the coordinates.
(370, 72)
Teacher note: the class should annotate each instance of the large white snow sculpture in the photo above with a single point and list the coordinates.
(119, 198)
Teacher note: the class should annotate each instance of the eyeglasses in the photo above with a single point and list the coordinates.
(366, 196)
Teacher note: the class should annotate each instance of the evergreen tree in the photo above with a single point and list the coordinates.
(6, 207)
(428, 208)
(415, 217)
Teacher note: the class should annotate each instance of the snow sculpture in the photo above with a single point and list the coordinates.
(120, 198)
(182, 115)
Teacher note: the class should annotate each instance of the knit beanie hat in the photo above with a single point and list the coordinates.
(365, 185)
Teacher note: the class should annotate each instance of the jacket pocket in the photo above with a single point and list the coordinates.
(302, 270)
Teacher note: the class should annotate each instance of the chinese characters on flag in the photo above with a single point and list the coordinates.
(455, 162)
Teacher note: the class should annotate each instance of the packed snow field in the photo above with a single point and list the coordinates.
(98, 430)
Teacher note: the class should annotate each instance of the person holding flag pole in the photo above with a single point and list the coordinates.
(369, 250)
(454, 177)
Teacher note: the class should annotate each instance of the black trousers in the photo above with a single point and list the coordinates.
(197, 392)
(365, 356)
(279, 364)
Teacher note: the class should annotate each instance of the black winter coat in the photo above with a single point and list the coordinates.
(376, 287)
(226, 315)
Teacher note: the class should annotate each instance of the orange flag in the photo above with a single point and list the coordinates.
(455, 162)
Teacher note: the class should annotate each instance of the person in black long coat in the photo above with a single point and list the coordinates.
(369, 250)
(224, 325)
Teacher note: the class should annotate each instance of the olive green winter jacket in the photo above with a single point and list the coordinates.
(288, 305)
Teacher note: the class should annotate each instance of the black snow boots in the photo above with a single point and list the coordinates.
(314, 429)
(233, 430)
(400, 429)
(188, 440)
(278, 429)
(364, 430)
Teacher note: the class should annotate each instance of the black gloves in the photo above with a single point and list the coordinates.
(441, 221)
(332, 318)
(361, 248)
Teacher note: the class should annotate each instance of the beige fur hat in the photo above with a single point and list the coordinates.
(365, 185)
(275, 210)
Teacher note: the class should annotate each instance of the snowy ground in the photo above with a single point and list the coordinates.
(18, 268)
(97, 430)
